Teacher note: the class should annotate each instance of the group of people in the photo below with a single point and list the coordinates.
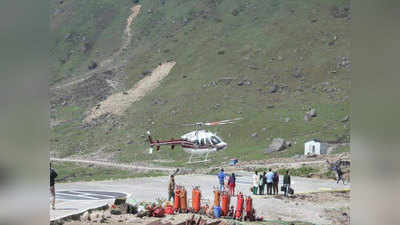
(271, 180)
(231, 182)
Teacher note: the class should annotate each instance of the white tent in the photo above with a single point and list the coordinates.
(315, 147)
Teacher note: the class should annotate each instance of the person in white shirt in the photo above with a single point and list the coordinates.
(270, 180)
(256, 181)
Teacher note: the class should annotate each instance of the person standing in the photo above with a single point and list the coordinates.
(53, 176)
(221, 178)
(265, 180)
(171, 188)
(275, 181)
(255, 182)
(339, 174)
(286, 182)
(270, 176)
(232, 184)
(261, 185)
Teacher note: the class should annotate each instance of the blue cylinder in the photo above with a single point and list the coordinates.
(217, 211)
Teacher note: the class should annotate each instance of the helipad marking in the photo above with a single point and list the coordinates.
(88, 195)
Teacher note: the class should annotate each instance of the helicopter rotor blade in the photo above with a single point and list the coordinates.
(222, 122)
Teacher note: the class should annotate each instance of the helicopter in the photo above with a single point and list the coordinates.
(197, 142)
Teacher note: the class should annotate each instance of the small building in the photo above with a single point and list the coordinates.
(315, 147)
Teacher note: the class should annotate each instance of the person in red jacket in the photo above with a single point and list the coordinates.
(232, 184)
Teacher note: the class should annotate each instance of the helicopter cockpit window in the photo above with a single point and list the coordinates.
(196, 142)
(215, 140)
(208, 141)
(202, 141)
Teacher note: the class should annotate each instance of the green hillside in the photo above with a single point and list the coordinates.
(265, 61)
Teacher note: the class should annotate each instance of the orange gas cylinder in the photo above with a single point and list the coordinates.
(177, 201)
(183, 200)
(239, 206)
(249, 205)
(225, 201)
(216, 197)
(196, 196)
(249, 209)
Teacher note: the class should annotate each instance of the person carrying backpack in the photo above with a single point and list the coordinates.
(339, 174)
(286, 183)
(275, 181)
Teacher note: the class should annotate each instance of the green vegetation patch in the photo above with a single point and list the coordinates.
(300, 172)
(74, 172)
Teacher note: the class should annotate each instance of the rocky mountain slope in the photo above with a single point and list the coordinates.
(284, 66)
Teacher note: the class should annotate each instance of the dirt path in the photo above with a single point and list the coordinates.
(119, 102)
(108, 63)
(109, 164)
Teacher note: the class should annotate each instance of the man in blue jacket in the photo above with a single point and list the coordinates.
(221, 178)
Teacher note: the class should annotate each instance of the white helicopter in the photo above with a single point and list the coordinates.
(198, 142)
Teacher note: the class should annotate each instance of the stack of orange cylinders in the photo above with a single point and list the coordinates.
(183, 195)
(177, 201)
(196, 196)
(239, 206)
(216, 197)
(225, 202)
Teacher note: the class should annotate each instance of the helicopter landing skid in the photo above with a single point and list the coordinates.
(200, 157)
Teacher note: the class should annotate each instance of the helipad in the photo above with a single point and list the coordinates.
(75, 198)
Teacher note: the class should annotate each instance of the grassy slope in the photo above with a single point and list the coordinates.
(192, 32)
(71, 172)
(97, 23)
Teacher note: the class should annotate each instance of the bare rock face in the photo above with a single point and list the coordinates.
(277, 144)
(311, 113)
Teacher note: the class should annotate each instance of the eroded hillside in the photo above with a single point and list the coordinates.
(266, 61)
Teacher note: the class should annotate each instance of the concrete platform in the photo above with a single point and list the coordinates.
(78, 197)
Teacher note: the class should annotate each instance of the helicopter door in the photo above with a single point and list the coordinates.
(208, 141)
(202, 142)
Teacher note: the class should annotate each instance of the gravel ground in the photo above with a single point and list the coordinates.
(333, 207)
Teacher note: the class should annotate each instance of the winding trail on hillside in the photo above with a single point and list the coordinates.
(110, 164)
(119, 102)
(108, 63)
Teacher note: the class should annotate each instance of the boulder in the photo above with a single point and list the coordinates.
(273, 88)
(312, 113)
(92, 65)
(277, 144)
